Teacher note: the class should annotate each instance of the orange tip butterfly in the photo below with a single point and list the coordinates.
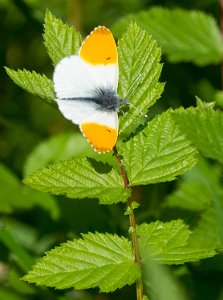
(86, 89)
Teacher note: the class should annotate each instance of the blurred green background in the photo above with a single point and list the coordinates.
(26, 121)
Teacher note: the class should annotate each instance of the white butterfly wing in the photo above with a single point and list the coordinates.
(103, 76)
(71, 80)
(75, 110)
(75, 79)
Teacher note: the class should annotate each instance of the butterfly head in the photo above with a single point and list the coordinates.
(107, 100)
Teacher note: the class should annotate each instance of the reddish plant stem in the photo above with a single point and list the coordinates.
(122, 168)
(132, 220)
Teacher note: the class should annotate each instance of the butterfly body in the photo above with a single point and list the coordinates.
(86, 89)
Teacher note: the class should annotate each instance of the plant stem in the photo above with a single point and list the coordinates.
(122, 168)
(221, 28)
(132, 220)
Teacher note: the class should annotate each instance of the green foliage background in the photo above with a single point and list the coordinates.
(34, 133)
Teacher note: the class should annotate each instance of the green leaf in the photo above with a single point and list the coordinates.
(60, 39)
(33, 83)
(15, 196)
(208, 231)
(160, 283)
(80, 178)
(23, 259)
(204, 127)
(167, 243)
(62, 146)
(8, 294)
(183, 35)
(194, 192)
(192, 196)
(158, 153)
(140, 68)
(201, 191)
(15, 282)
(218, 98)
(22, 232)
(98, 260)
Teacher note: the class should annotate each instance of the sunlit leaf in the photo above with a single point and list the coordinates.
(140, 68)
(80, 178)
(62, 146)
(97, 260)
(167, 243)
(204, 126)
(33, 83)
(60, 39)
(158, 153)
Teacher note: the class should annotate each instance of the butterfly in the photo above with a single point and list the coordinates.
(86, 85)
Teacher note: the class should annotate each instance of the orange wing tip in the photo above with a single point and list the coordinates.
(101, 29)
(102, 138)
(99, 47)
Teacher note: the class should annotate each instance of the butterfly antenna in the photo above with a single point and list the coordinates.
(138, 110)
(132, 85)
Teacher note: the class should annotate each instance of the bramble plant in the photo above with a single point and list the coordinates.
(147, 152)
